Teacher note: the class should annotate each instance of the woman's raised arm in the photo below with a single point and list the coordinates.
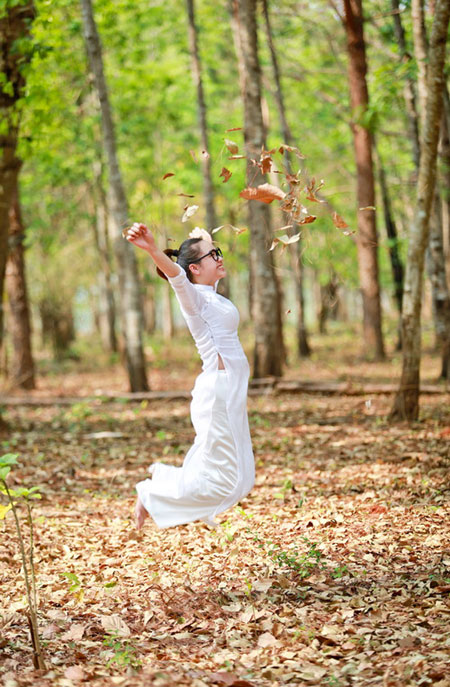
(141, 236)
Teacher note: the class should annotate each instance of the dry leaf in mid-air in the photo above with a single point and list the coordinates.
(237, 157)
(232, 146)
(190, 210)
(185, 195)
(307, 220)
(168, 174)
(225, 173)
(235, 128)
(193, 155)
(338, 221)
(285, 240)
(236, 230)
(265, 193)
(368, 207)
(291, 149)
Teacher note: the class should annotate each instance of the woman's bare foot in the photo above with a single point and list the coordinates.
(139, 513)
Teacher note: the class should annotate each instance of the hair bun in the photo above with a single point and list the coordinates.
(172, 253)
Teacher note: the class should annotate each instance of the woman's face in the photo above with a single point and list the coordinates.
(207, 270)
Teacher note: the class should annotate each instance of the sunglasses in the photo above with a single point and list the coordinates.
(215, 253)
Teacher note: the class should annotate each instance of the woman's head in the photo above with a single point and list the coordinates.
(202, 263)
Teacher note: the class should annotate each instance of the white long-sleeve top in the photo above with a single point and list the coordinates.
(204, 487)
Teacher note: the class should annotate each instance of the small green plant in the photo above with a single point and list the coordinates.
(303, 562)
(75, 585)
(124, 653)
(25, 494)
(339, 571)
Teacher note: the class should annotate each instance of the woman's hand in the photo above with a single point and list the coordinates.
(141, 236)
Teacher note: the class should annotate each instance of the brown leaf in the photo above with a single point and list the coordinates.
(284, 240)
(74, 673)
(189, 211)
(115, 624)
(291, 149)
(75, 632)
(307, 220)
(185, 195)
(237, 157)
(266, 640)
(338, 221)
(168, 174)
(232, 146)
(236, 128)
(237, 230)
(226, 174)
(266, 193)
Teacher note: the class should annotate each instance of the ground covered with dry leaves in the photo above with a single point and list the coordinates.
(334, 571)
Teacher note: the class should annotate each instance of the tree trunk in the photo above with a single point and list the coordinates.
(391, 231)
(22, 366)
(435, 260)
(131, 306)
(269, 347)
(367, 236)
(440, 295)
(208, 188)
(406, 404)
(57, 326)
(15, 25)
(101, 235)
(409, 89)
(295, 250)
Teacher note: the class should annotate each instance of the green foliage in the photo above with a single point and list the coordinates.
(123, 652)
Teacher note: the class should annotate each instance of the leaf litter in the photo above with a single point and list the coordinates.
(334, 570)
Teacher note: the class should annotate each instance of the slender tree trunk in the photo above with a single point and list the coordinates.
(208, 187)
(440, 294)
(391, 231)
(409, 88)
(15, 25)
(295, 250)
(435, 260)
(367, 237)
(131, 306)
(22, 372)
(269, 347)
(406, 404)
(101, 236)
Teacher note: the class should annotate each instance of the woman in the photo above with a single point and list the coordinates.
(219, 469)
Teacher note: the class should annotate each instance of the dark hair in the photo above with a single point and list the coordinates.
(187, 253)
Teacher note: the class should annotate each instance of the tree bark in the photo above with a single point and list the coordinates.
(208, 188)
(367, 235)
(406, 404)
(268, 352)
(101, 237)
(22, 365)
(295, 250)
(130, 296)
(435, 260)
(15, 26)
(409, 89)
(391, 231)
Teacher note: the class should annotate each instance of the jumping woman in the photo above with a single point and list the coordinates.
(218, 470)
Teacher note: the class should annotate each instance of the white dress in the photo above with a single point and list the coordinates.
(219, 468)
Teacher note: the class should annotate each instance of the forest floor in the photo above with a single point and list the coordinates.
(334, 571)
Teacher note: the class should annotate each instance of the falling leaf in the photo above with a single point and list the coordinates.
(205, 154)
(237, 157)
(168, 174)
(265, 193)
(74, 673)
(236, 128)
(368, 207)
(338, 221)
(199, 233)
(291, 149)
(236, 230)
(232, 146)
(266, 640)
(285, 240)
(225, 173)
(115, 625)
(285, 228)
(307, 220)
(287, 312)
(194, 155)
(190, 210)
(185, 195)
